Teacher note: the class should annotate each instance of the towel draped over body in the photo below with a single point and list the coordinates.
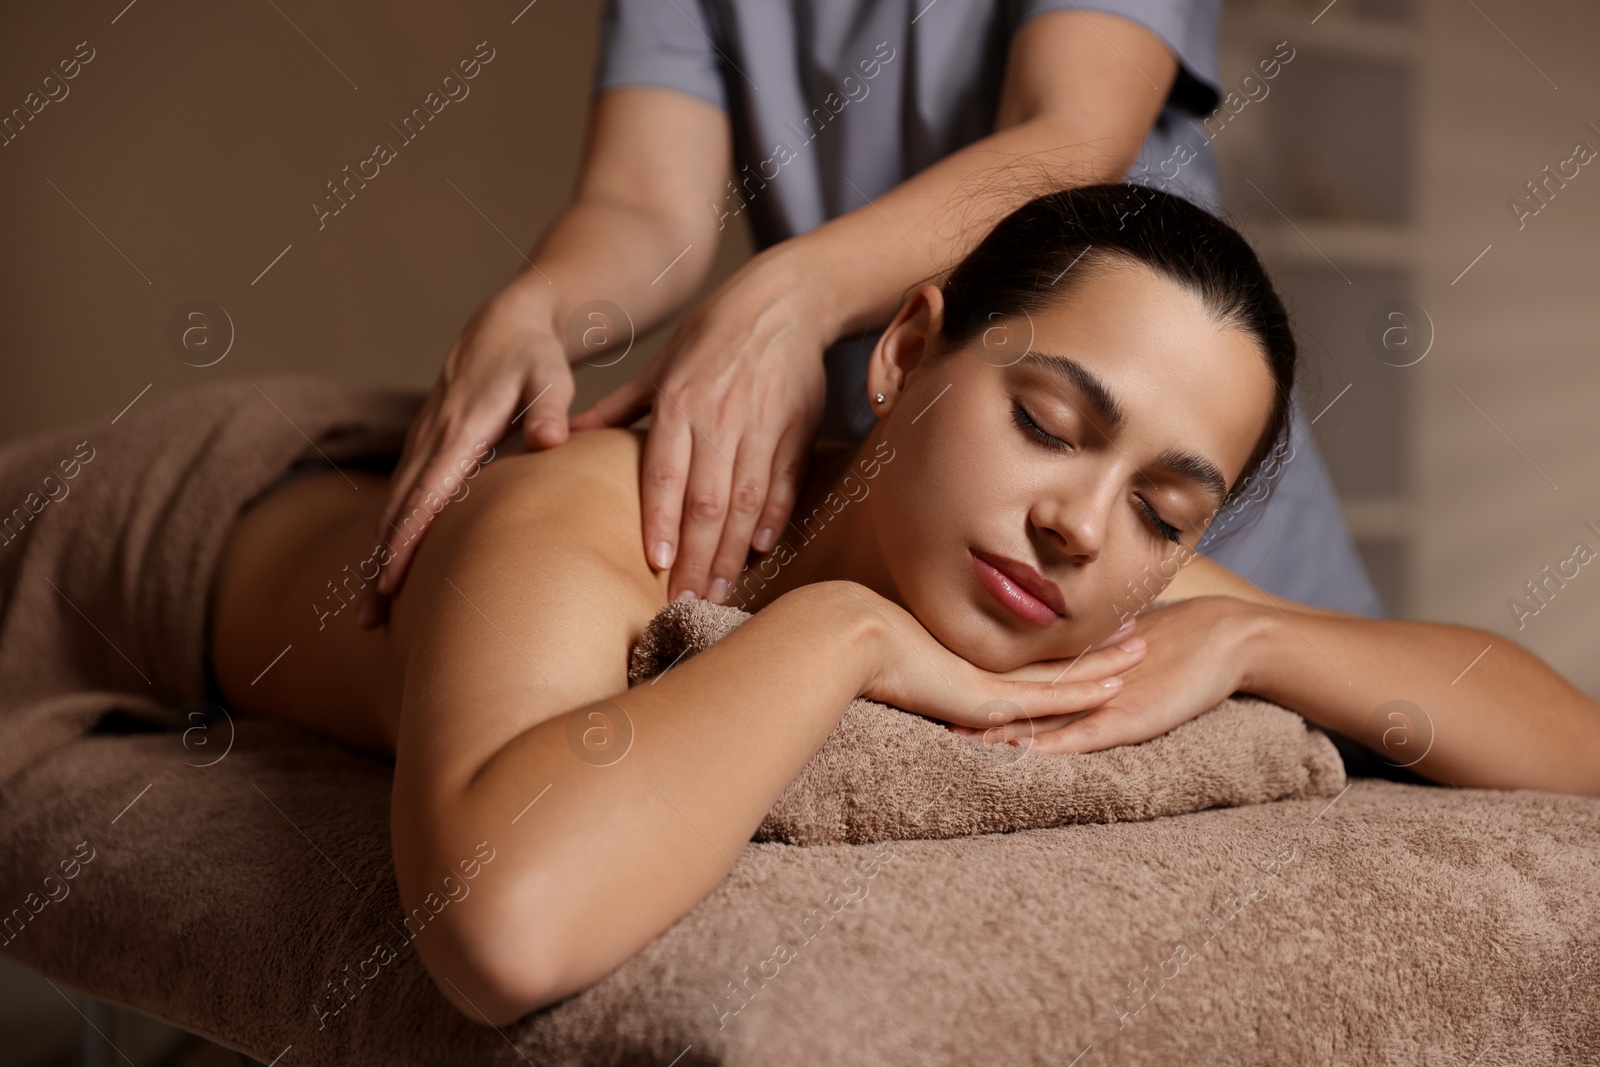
(1218, 895)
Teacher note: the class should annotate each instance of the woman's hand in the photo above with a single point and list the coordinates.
(1198, 657)
(508, 360)
(735, 397)
(917, 673)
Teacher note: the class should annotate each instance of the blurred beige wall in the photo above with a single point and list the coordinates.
(185, 155)
(181, 162)
(1508, 456)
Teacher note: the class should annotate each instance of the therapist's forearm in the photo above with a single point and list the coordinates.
(864, 261)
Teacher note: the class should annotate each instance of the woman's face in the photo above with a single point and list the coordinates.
(1048, 476)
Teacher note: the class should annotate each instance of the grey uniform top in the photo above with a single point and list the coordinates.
(835, 102)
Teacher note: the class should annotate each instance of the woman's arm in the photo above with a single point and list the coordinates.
(518, 647)
(1490, 713)
(612, 853)
(1202, 576)
(1477, 709)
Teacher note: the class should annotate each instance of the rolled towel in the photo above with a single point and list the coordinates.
(883, 773)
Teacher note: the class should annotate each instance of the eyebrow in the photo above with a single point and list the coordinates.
(1103, 402)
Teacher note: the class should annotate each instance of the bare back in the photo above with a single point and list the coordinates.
(284, 637)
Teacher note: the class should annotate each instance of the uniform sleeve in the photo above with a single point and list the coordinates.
(665, 43)
(1189, 28)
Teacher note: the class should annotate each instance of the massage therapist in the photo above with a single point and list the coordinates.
(870, 143)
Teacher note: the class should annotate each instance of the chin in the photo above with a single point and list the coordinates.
(988, 642)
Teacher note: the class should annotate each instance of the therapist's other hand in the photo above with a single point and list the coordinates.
(507, 360)
(735, 397)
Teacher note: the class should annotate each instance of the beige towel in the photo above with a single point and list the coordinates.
(252, 898)
(885, 774)
(113, 531)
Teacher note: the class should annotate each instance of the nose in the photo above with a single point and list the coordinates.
(1075, 516)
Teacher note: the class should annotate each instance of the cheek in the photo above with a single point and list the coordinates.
(920, 503)
(927, 502)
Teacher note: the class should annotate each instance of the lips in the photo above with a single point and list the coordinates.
(1025, 592)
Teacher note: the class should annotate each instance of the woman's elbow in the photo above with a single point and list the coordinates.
(493, 972)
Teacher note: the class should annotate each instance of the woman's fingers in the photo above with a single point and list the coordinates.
(1103, 661)
(1097, 728)
(1014, 701)
(1101, 728)
(1089, 665)
(1124, 631)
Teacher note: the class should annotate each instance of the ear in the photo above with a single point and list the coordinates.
(905, 345)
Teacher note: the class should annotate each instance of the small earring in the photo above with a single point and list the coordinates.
(879, 398)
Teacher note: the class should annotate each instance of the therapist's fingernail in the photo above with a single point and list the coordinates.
(765, 538)
(661, 555)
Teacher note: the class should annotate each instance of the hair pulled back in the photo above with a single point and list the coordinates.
(1037, 254)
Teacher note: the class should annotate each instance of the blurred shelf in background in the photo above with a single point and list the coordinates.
(1318, 169)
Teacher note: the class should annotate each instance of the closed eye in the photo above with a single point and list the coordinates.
(1024, 422)
(1165, 529)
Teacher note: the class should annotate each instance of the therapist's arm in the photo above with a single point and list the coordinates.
(1081, 93)
(652, 160)
(736, 395)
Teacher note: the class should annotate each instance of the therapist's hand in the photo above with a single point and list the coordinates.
(508, 359)
(735, 397)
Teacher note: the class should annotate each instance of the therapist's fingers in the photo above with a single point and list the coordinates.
(705, 513)
(789, 462)
(747, 496)
(461, 441)
(545, 424)
(421, 439)
(663, 474)
(620, 407)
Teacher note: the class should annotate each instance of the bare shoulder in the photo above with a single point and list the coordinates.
(581, 498)
(1206, 577)
(606, 462)
(525, 600)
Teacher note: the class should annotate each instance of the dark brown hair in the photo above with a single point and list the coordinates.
(1037, 253)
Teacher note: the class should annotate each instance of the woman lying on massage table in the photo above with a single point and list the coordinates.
(981, 545)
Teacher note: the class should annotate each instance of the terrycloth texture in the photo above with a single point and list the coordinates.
(251, 897)
(105, 587)
(884, 774)
(1401, 925)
